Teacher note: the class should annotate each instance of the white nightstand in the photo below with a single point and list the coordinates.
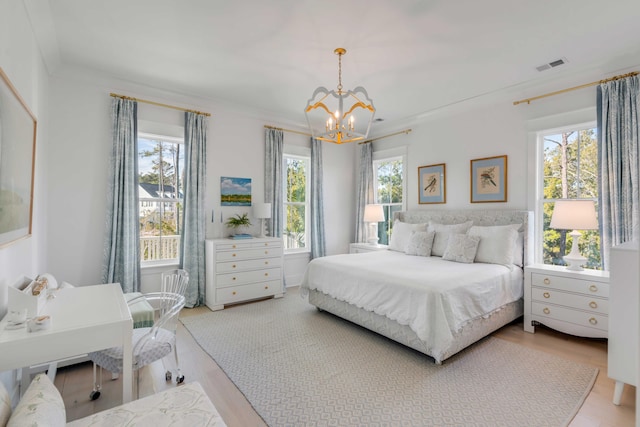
(574, 302)
(358, 248)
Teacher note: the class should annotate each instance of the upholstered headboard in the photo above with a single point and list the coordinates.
(479, 217)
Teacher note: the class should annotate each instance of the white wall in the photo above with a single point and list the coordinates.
(21, 61)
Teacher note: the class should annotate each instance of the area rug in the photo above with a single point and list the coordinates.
(301, 367)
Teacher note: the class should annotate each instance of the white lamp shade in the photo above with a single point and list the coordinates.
(373, 213)
(571, 214)
(262, 210)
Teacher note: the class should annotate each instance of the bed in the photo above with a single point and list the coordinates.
(440, 303)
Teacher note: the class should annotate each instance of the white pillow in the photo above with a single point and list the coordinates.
(461, 248)
(41, 405)
(442, 234)
(497, 243)
(401, 233)
(420, 243)
(518, 251)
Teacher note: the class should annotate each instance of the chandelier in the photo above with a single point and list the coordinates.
(340, 116)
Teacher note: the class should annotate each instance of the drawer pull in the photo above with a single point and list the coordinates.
(266, 263)
(593, 304)
(546, 310)
(233, 293)
(233, 266)
(266, 252)
(266, 274)
(593, 321)
(593, 288)
(266, 244)
(233, 255)
(546, 295)
(233, 247)
(547, 281)
(266, 287)
(233, 278)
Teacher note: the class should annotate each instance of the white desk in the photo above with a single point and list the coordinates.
(83, 319)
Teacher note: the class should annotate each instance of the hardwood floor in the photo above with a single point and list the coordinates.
(75, 382)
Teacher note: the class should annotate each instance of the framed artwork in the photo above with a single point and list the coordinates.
(432, 185)
(235, 191)
(489, 179)
(17, 162)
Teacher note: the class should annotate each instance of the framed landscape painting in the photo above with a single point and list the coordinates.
(235, 191)
(489, 179)
(17, 162)
(432, 185)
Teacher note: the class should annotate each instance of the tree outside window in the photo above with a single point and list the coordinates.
(389, 187)
(570, 170)
(296, 202)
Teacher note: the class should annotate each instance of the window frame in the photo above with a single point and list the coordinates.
(300, 154)
(388, 155)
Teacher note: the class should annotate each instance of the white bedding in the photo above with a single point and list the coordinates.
(434, 297)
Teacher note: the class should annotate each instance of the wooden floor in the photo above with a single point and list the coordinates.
(75, 382)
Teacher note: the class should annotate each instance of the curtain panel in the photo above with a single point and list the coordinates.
(318, 246)
(273, 180)
(121, 260)
(364, 194)
(618, 103)
(192, 243)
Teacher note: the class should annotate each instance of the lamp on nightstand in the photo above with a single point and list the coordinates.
(262, 211)
(571, 214)
(373, 214)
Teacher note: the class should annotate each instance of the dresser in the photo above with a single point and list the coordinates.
(573, 302)
(623, 320)
(358, 248)
(242, 270)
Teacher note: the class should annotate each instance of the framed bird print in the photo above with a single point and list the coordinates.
(489, 179)
(431, 182)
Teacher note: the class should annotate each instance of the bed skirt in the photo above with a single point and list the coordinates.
(469, 334)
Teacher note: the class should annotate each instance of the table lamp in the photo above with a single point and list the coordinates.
(373, 214)
(571, 214)
(262, 211)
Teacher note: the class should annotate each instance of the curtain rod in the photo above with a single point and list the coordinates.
(363, 142)
(622, 76)
(115, 95)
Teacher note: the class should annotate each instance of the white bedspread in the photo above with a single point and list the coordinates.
(434, 297)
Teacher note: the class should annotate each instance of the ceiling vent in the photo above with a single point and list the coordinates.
(552, 64)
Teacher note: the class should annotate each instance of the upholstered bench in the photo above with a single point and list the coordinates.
(185, 405)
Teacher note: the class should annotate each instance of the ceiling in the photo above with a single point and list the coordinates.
(412, 56)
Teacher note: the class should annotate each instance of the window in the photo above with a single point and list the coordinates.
(569, 169)
(296, 202)
(388, 176)
(160, 177)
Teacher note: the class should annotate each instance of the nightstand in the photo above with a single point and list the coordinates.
(359, 248)
(573, 302)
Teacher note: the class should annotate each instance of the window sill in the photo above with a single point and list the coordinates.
(157, 266)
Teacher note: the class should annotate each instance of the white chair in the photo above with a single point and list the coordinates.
(175, 281)
(149, 344)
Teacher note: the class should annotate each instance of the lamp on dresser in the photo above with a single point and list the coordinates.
(373, 214)
(262, 211)
(573, 214)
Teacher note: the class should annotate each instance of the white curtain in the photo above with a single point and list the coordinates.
(365, 193)
(121, 260)
(192, 257)
(318, 246)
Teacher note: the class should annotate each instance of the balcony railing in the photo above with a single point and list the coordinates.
(154, 248)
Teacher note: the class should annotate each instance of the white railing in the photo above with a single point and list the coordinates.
(159, 247)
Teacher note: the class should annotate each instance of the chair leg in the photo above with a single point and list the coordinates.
(179, 377)
(97, 383)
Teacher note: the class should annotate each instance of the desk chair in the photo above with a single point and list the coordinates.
(149, 344)
(175, 281)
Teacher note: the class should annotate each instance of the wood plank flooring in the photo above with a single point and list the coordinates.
(75, 382)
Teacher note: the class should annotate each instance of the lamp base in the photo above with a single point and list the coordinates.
(262, 231)
(574, 260)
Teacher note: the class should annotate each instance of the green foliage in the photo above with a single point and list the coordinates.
(295, 198)
(389, 181)
(238, 221)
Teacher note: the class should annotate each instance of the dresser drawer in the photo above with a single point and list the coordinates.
(251, 264)
(248, 244)
(582, 318)
(568, 284)
(244, 277)
(246, 292)
(248, 254)
(586, 302)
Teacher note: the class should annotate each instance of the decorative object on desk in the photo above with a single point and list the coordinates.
(18, 147)
(340, 116)
(489, 179)
(373, 214)
(16, 319)
(574, 214)
(241, 236)
(39, 323)
(238, 223)
(235, 191)
(432, 185)
(262, 211)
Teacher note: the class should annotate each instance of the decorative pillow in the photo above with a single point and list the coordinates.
(400, 234)
(420, 243)
(461, 248)
(41, 405)
(5, 405)
(442, 234)
(497, 243)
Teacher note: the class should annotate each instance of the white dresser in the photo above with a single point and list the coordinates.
(573, 302)
(623, 320)
(242, 270)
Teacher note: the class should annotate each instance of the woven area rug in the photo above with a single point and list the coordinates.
(301, 367)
